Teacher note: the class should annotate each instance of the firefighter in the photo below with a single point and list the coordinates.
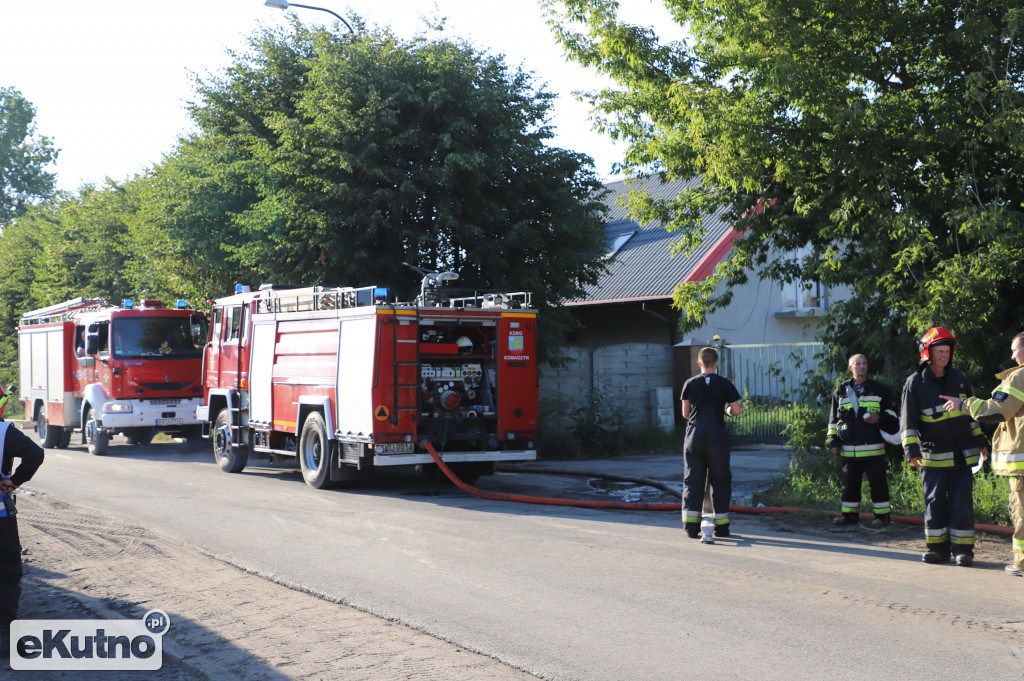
(706, 399)
(1005, 408)
(944, 445)
(862, 410)
(13, 445)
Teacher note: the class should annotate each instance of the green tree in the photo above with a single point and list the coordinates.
(84, 246)
(184, 231)
(884, 137)
(375, 151)
(23, 155)
(19, 246)
(23, 158)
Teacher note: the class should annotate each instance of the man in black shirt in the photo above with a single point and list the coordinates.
(707, 398)
(13, 445)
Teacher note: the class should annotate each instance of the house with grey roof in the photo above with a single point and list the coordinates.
(629, 350)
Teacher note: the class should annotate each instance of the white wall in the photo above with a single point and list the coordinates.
(753, 317)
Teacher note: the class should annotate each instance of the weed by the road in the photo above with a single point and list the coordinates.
(814, 480)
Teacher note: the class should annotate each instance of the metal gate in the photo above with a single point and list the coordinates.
(769, 379)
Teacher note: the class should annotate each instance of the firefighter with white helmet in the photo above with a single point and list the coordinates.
(863, 411)
(1005, 407)
(944, 445)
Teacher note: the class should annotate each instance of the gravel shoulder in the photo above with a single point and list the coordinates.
(225, 623)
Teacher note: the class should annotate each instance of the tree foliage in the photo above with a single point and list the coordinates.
(320, 160)
(367, 153)
(881, 136)
(24, 156)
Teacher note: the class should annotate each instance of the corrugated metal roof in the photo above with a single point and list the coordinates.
(642, 267)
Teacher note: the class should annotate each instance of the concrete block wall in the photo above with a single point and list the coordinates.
(624, 374)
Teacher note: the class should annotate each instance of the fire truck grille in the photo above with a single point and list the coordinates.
(164, 387)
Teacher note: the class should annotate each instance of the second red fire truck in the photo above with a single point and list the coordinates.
(346, 380)
(96, 368)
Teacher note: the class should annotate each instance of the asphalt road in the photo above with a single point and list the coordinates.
(569, 593)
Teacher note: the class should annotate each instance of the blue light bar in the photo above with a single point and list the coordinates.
(181, 304)
(128, 303)
(380, 293)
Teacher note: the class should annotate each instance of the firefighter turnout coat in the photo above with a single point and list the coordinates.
(846, 426)
(932, 433)
(1004, 407)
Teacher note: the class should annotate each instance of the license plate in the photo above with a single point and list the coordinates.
(170, 422)
(396, 448)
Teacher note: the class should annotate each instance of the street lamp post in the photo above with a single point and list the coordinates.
(284, 4)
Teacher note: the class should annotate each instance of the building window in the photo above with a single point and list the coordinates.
(803, 297)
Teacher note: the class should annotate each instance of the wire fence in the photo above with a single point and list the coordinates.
(770, 378)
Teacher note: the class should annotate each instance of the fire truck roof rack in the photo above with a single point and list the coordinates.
(515, 301)
(65, 311)
(316, 298)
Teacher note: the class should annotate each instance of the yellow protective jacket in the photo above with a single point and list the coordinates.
(1003, 407)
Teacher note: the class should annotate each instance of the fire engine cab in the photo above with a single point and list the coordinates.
(345, 380)
(90, 366)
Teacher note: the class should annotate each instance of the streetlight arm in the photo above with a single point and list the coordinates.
(284, 4)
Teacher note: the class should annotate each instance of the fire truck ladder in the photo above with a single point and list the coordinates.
(62, 312)
(409, 388)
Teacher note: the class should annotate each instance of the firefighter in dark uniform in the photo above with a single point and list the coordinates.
(13, 445)
(944, 445)
(707, 398)
(863, 412)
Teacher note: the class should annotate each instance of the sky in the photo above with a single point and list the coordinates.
(110, 79)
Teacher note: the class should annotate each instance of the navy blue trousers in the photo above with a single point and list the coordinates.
(949, 510)
(706, 456)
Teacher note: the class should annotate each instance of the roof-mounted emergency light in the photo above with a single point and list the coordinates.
(181, 304)
(128, 303)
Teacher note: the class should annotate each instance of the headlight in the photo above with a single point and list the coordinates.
(117, 408)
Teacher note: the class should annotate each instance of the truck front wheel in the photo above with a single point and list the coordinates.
(315, 452)
(49, 436)
(96, 438)
(230, 458)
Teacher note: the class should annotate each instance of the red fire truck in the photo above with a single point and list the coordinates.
(346, 381)
(87, 365)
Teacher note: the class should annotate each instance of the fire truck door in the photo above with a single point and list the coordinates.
(211, 352)
(261, 371)
(229, 369)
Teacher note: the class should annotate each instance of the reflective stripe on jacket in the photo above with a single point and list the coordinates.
(861, 439)
(932, 433)
(1004, 407)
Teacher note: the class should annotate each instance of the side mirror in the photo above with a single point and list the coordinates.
(200, 330)
(92, 344)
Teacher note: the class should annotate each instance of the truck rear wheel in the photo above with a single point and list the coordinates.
(315, 452)
(230, 458)
(96, 439)
(49, 436)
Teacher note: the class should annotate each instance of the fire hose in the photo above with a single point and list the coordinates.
(634, 506)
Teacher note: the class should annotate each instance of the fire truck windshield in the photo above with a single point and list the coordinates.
(153, 337)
